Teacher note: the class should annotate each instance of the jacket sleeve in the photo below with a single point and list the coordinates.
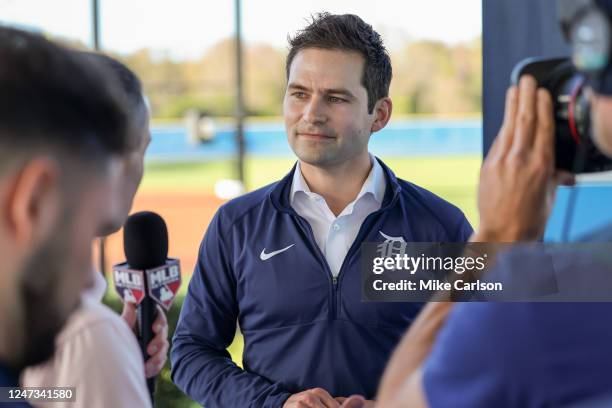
(464, 230)
(201, 364)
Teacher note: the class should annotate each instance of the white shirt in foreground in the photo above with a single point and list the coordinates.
(335, 235)
(96, 353)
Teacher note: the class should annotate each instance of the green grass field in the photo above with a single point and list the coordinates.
(453, 178)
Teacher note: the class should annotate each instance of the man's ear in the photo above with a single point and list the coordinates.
(382, 112)
(33, 201)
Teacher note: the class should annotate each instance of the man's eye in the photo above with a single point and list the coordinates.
(299, 95)
(334, 99)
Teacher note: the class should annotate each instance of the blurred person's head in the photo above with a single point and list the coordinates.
(601, 104)
(338, 76)
(127, 169)
(61, 123)
(585, 25)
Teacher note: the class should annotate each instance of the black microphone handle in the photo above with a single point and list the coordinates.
(147, 312)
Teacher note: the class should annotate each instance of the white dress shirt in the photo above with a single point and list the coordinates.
(335, 235)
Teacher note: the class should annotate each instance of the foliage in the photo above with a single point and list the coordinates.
(432, 77)
(429, 77)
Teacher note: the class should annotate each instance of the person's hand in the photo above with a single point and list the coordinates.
(355, 401)
(157, 348)
(518, 179)
(313, 398)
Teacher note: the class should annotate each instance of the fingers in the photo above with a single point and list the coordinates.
(325, 397)
(510, 110)
(313, 398)
(160, 328)
(161, 322)
(129, 314)
(354, 401)
(522, 161)
(504, 138)
(158, 346)
(528, 122)
(154, 365)
(526, 116)
(564, 178)
(545, 128)
(309, 401)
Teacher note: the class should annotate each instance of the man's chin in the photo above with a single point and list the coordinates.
(313, 156)
(43, 327)
(46, 299)
(320, 162)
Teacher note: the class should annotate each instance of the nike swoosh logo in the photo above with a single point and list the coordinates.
(264, 257)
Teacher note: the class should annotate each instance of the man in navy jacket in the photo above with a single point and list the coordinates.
(284, 260)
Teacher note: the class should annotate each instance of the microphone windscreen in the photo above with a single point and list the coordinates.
(145, 240)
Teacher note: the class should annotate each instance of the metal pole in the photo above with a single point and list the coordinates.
(102, 255)
(95, 24)
(95, 36)
(239, 94)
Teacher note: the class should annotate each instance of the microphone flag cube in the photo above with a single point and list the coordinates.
(129, 283)
(164, 282)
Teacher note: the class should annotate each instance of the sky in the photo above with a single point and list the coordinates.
(186, 28)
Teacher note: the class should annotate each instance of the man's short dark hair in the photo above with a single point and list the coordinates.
(130, 89)
(348, 32)
(51, 99)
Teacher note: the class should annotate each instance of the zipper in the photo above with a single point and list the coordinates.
(331, 277)
(359, 239)
(356, 244)
(335, 280)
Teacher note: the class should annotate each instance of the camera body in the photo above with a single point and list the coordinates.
(587, 26)
(574, 147)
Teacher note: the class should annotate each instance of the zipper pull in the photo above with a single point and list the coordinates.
(334, 280)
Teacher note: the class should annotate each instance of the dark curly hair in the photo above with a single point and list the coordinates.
(348, 32)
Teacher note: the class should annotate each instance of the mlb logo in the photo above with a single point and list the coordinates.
(129, 283)
(164, 282)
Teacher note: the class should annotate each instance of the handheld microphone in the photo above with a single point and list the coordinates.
(148, 277)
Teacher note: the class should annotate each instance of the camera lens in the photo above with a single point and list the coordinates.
(574, 147)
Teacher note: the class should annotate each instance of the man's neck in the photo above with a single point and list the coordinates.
(4, 354)
(7, 353)
(340, 184)
(10, 336)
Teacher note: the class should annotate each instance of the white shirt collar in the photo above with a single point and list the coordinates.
(374, 184)
(98, 289)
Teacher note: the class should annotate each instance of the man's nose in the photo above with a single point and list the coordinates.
(315, 110)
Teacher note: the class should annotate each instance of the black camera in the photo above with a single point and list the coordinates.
(587, 27)
(574, 147)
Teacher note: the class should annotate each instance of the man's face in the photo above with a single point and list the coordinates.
(59, 268)
(601, 115)
(326, 107)
(126, 175)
